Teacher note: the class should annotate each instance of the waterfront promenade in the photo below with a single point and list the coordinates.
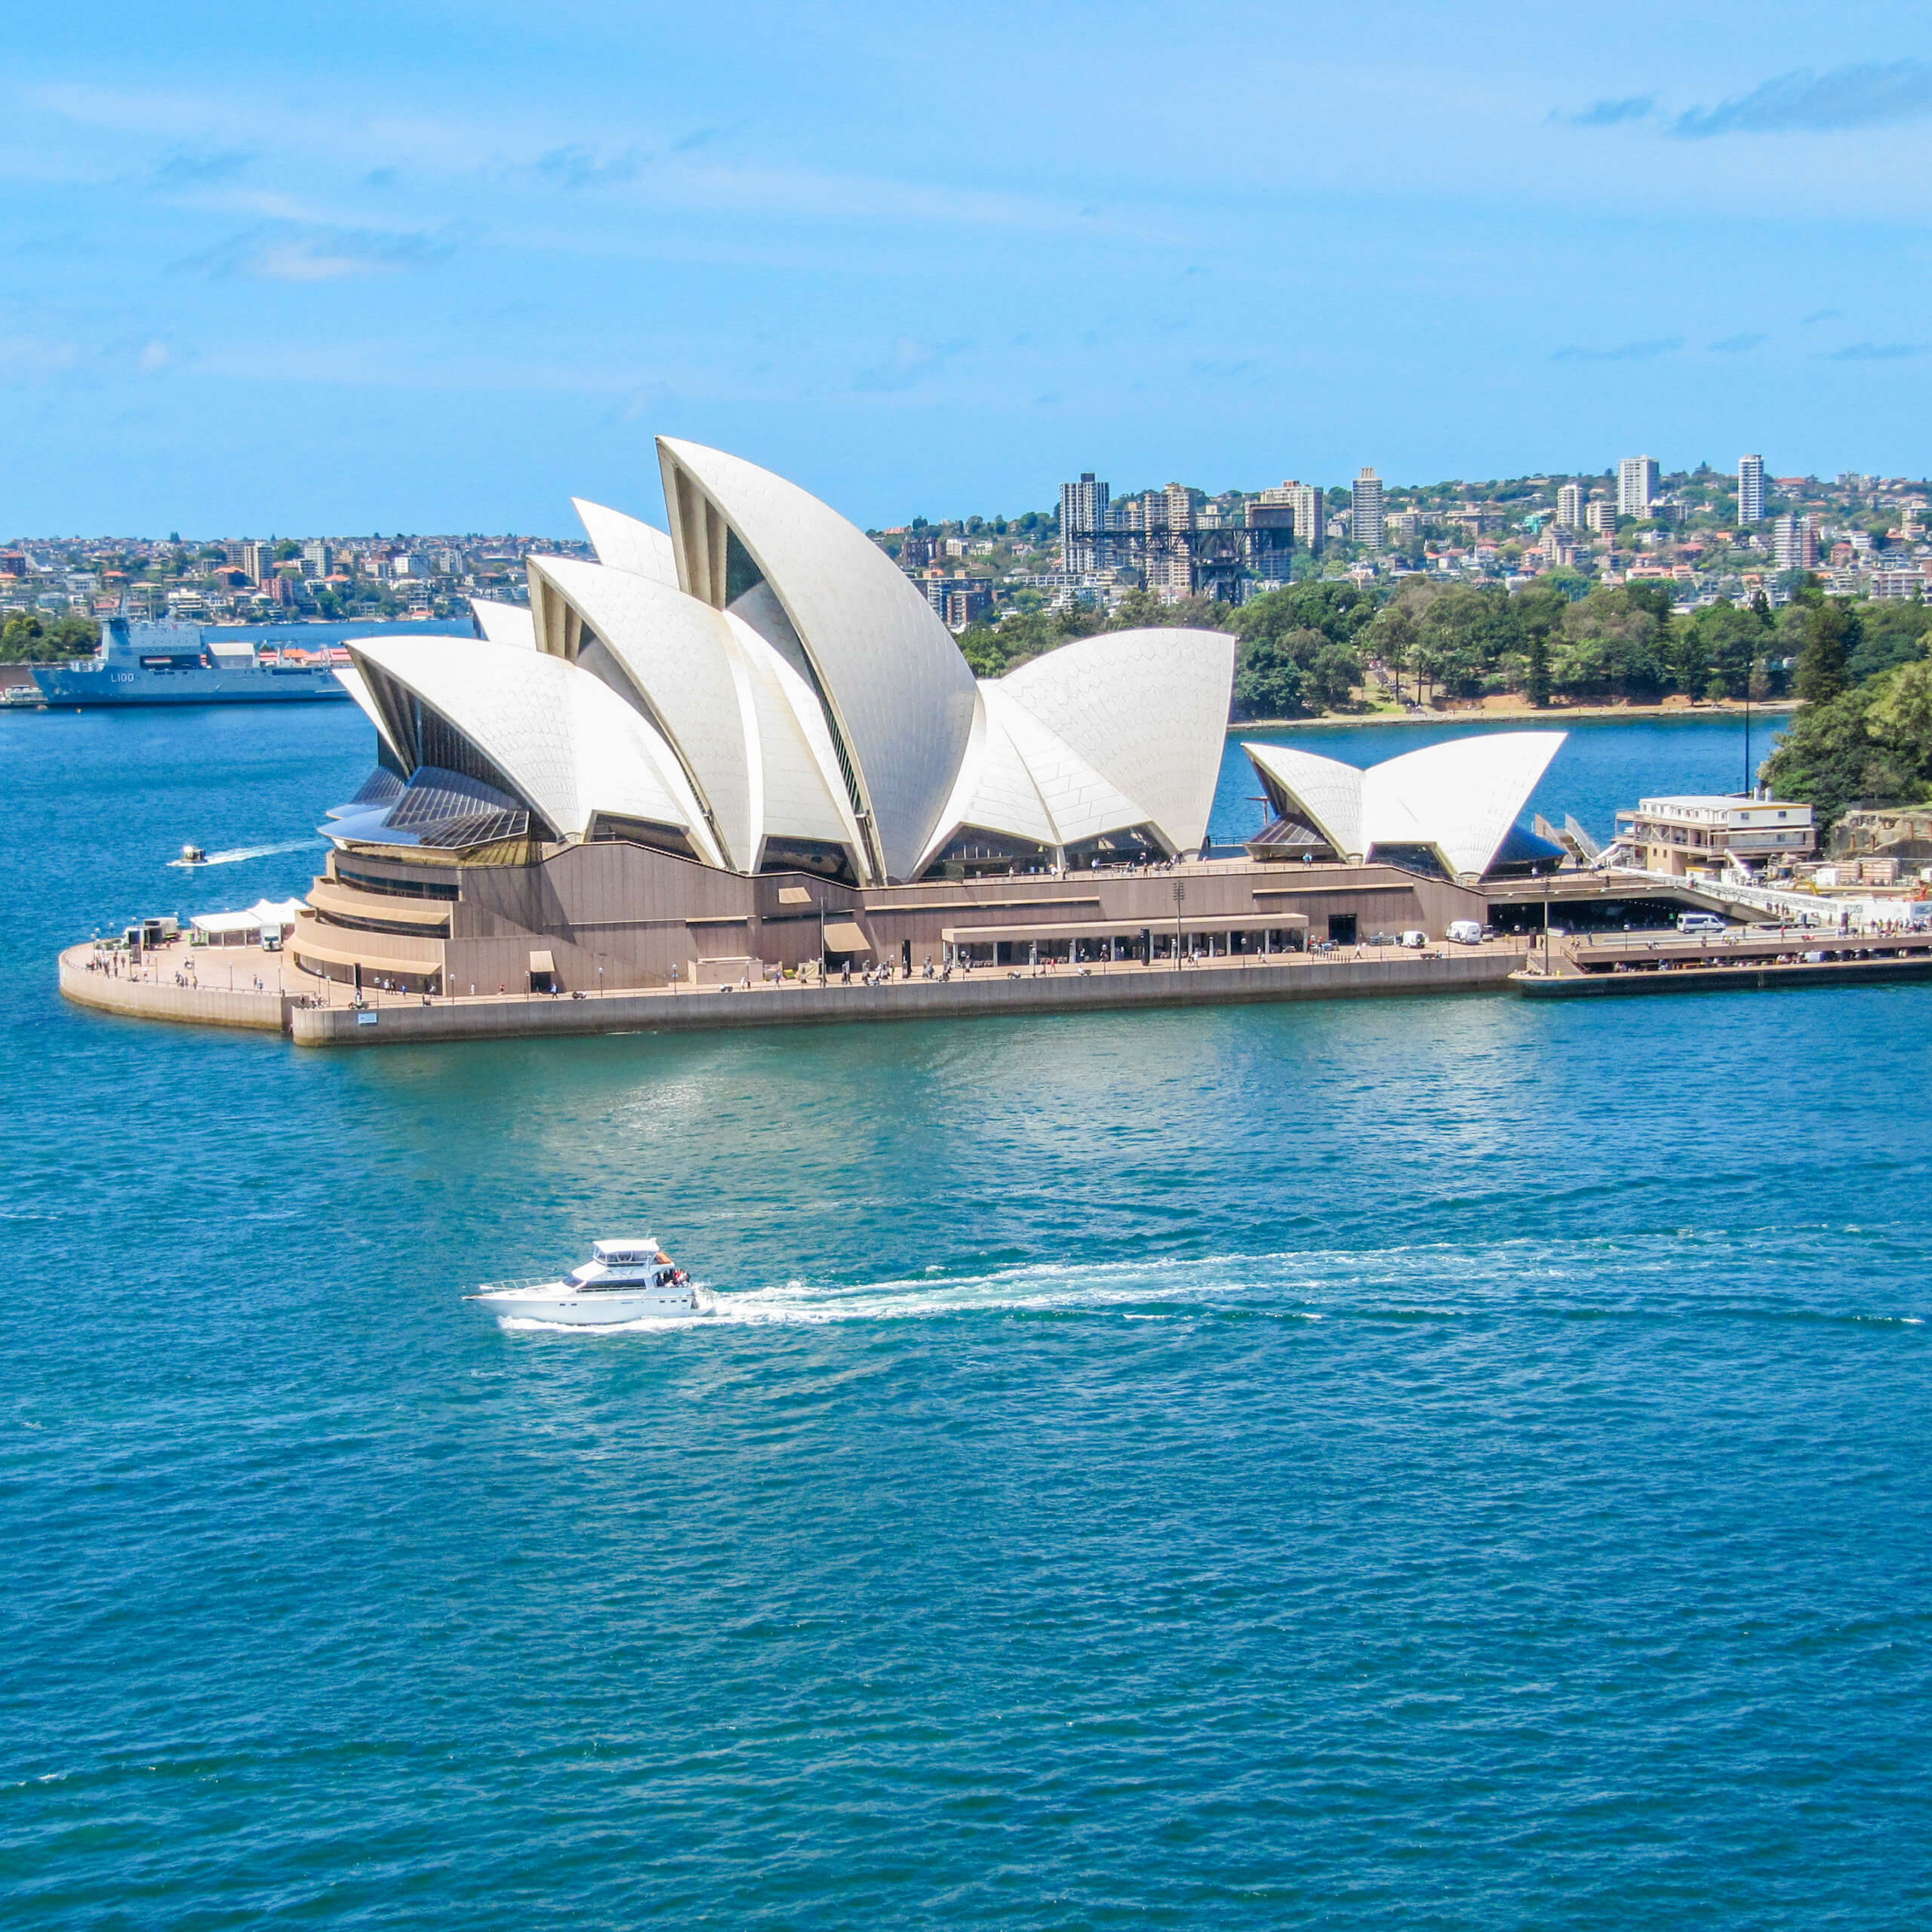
(1762, 960)
(319, 1013)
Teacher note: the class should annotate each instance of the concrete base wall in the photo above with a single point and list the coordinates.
(145, 999)
(985, 995)
(1721, 979)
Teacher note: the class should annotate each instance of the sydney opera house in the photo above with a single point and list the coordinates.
(746, 744)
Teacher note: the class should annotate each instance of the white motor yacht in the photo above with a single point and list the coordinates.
(623, 1280)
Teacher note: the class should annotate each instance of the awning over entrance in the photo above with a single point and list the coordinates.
(1235, 922)
(541, 961)
(842, 935)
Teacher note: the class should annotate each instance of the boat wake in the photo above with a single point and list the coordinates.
(1123, 1289)
(243, 852)
(1566, 1281)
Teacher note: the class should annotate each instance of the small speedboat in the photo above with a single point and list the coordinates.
(623, 1280)
(191, 855)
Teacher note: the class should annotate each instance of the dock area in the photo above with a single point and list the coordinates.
(1588, 966)
(313, 1013)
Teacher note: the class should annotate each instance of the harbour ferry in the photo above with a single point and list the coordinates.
(623, 1280)
(173, 662)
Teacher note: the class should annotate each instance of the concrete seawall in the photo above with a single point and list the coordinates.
(149, 999)
(390, 1020)
(982, 996)
(1741, 977)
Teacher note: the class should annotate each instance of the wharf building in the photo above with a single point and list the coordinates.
(1685, 835)
(746, 744)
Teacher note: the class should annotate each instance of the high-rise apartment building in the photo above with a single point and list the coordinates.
(256, 562)
(1570, 506)
(315, 559)
(1365, 511)
(1177, 512)
(1083, 522)
(1750, 489)
(1794, 543)
(1311, 515)
(1310, 518)
(1636, 485)
(1601, 516)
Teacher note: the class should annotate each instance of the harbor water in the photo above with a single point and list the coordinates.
(1456, 1463)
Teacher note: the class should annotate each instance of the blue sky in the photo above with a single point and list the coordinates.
(431, 267)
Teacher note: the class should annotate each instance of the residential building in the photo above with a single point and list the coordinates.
(255, 561)
(1083, 522)
(1602, 517)
(1896, 587)
(1310, 517)
(1304, 499)
(316, 560)
(1794, 543)
(966, 603)
(1750, 489)
(1365, 510)
(1570, 506)
(1636, 485)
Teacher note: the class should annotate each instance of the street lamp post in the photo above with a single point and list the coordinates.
(1750, 671)
(1180, 895)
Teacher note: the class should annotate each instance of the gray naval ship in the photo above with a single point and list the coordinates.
(139, 662)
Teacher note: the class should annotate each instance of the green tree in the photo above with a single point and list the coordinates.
(33, 637)
(1869, 745)
(1271, 675)
(1831, 634)
(1536, 674)
(1465, 634)
(1716, 648)
(1890, 635)
(1609, 646)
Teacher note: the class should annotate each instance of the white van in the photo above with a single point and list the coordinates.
(1413, 940)
(1465, 932)
(1699, 922)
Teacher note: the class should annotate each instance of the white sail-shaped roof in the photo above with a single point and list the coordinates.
(570, 746)
(897, 692)
(1148, 710)
(505, 623)
(798, 792)
(995, 791)
(1462, 798)
(624, 543)
(1459, 798)
(676, 654)
(357, 686)
(1080, 803)
(1326, 789)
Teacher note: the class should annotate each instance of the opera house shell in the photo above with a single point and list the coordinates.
(746, 742)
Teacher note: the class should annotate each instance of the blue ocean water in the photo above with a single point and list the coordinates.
(1454, 1464)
